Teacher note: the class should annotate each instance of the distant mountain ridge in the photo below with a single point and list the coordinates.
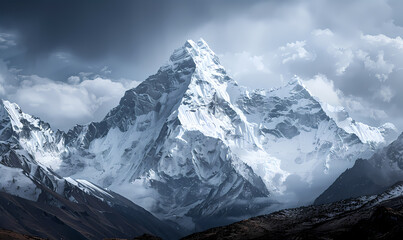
(193, 147)
(370, 176)
(367, 134)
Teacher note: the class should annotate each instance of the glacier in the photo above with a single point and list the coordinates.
(193, 147)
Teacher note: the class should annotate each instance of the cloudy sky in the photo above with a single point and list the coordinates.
(69, 62)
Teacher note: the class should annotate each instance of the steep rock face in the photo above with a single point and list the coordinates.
(193, 147)
(157, 139)
(370, 176)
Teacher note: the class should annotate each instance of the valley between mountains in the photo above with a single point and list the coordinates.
(189, 149)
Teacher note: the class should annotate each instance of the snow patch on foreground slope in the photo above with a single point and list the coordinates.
(15, 182)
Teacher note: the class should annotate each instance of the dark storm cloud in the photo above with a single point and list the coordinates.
(95, 29)
(132, 37)
(352, 49)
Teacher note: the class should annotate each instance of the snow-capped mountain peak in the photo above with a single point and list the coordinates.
(14, 113)
(189, 142)
(34, 135)
(382, 135)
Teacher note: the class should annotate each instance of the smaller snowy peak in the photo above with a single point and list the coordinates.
(3, 111)
(280, 104)
(389, 132)
(33, 135)
(13, 112)
(292, 87)
(295, 81)
(396, 190)
(290, 99)
(19, 119)
(389, 125)
(367, 134)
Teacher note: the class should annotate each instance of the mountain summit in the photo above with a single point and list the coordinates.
(192, 146)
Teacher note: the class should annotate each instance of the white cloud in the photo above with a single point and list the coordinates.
(106, 70)
(323, 88)
(385, 93)
(2, 90)
(244, 62)
(359, 108)
(65, 105)
(248, 69)
(322, 32)
(62, 56)
(380, 67)
(73, 80)
(344, 59)
(295, 50)
(2, 81)
(7, 40)
(384, 40)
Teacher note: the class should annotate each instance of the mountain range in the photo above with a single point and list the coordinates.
(368, 176)
(189, 145)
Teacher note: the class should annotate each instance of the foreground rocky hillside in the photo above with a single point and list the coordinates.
(369, 217)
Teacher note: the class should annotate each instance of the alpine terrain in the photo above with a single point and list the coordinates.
(368, 217)
(36, 200)
(191, 146)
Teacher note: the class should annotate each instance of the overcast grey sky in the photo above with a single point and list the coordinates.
(69, 62)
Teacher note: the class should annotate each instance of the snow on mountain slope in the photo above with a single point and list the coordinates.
(161, 145)
(367, 134)
(76, 208)
(15, 182)
(36, 136)
(192, 123)
(293, 127)
(27, 140)
(34, 152)
(192, 146)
